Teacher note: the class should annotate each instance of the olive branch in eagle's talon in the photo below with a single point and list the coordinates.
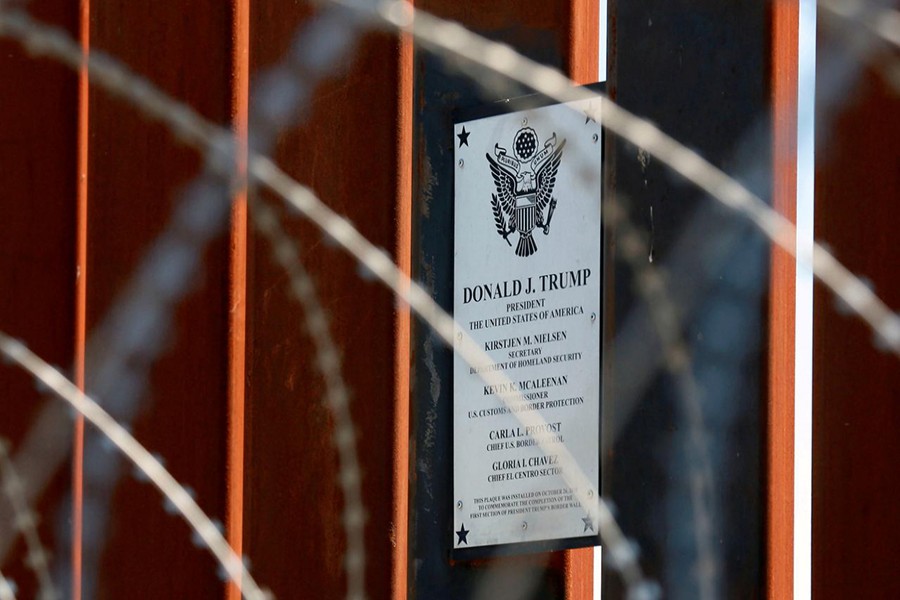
(499, 220)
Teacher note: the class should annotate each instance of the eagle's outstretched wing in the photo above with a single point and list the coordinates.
(505, 184)
(546, 177)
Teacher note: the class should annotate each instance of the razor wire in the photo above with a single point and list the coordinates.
(302, 286)
(337, 395)
(25, 521)
(130, 338)
(192, 132)
(6, 589)
(864, 29)
(441, 323)
(191, 129)
(208, 533)
(652, 290)
(280, 93)
(688, 170)
(122, 349)
(451, 39)
(475, 55)
(883, 23)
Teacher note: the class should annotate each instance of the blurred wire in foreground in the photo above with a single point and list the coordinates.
(687, 164)
(122, 349)
(877, 20)
(620, 549)
(337, 396)
(478, 57)
(6, 589)
(218, 146)
(209, 534)
(870, 31)
(651, 288)
(25, 521)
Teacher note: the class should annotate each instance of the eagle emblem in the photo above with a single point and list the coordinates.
(524, 183)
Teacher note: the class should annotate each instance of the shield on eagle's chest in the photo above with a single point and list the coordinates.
(525, 213)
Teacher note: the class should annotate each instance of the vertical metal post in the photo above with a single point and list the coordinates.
(237, 287)
(782, 313)
(561, 34)
(81, 235)
(856, 385)
(701, 71)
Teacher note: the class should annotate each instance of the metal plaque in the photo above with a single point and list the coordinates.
(527, 289)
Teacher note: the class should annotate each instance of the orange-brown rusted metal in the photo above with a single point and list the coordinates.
(583, 59)
(136, 175)
(856, 386)
(80, 296)
(779, 416)
(237, 287)
(349, 150)
(81, 236)
(38, 154)
(403, 255)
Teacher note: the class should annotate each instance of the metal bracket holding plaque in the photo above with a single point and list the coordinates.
(528, 290)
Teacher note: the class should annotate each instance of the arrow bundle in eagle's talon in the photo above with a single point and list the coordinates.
(549, 216)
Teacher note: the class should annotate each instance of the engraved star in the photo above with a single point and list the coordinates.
(588, 524)
(463, 137)
(462, 533)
